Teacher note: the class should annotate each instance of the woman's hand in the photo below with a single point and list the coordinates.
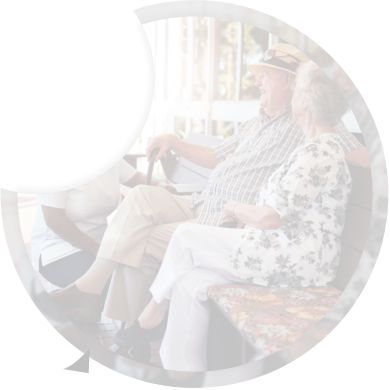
(228, 210)
(228, 215)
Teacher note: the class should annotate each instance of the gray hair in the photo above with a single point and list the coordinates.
(325, 102)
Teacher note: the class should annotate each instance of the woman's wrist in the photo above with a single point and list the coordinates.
(232, 210)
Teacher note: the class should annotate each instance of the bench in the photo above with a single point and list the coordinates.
(250, 320)
(268, 319)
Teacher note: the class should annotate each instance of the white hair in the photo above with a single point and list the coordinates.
(325, 102)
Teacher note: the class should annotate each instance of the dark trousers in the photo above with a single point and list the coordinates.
(67, 270)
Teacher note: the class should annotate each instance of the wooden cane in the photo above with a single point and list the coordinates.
(168, 157)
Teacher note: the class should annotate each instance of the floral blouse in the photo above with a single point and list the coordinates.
(310, 191)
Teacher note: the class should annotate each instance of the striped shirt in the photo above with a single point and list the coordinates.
(249, 157)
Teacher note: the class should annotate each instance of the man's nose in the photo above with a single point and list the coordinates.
(258, 82)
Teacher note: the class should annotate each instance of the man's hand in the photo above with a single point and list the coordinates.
(163, 141)
(167, 185)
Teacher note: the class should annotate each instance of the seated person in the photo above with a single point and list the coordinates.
(291, 237)
(137, 238)
(70, 225)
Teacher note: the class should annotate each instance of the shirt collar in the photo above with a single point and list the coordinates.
(287, 108)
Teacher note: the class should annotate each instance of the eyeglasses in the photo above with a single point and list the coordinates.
(272, 53)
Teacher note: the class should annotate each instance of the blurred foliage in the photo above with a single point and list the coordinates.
(182, 76)
(223, 129)
(254, 45)
(227, 42)
(291, 33)
(200, 58)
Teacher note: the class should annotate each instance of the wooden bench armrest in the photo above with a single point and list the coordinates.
(182, 189)
(188, 189)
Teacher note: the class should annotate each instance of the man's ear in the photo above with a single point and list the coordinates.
(289, 81)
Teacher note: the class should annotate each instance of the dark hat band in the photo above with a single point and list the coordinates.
(281, 64)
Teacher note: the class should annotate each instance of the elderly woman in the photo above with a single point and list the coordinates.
(291, 236)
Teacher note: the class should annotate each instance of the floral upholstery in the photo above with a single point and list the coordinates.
(271, 318)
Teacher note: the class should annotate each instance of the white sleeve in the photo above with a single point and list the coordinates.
(126, 171)
(56, 199)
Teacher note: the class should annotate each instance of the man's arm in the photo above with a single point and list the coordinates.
(355, 153)
(197, 154)
(358, 157)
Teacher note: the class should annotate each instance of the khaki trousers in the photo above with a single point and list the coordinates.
(137, 239)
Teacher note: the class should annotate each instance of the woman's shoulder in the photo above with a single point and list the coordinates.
(324, 147)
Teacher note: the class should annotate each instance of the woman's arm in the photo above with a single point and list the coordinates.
(140, 178)
(260, 217)
(61, 225)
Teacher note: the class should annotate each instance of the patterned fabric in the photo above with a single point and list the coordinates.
(310, 191)
(248, 158)
(272, 318)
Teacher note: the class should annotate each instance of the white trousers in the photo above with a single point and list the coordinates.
(194, 262)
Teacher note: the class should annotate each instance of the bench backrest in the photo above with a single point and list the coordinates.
(356, 226)
(182, 171)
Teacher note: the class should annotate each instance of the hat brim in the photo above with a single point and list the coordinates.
(257, 68)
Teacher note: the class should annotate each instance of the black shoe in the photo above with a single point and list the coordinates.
(141, 353)
(136, 335)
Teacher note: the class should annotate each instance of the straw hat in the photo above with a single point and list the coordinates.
(280, 56)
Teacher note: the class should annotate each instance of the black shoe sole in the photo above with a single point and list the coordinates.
(145, 341)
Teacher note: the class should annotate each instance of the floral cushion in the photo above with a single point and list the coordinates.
(271, 318)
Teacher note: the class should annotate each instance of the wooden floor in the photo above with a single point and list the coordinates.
(104, 330)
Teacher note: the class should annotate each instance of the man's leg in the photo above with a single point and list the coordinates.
(124, 242)
(129, 288)
(125, 239)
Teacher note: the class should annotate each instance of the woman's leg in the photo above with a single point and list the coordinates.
(192, 246)
(193, 263)
(185, 340)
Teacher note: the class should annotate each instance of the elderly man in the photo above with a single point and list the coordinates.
(137, 238)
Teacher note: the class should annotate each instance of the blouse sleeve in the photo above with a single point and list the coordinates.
(126, 171)
(56, 199)
(302, 183)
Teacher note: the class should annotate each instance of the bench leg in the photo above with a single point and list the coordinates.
(223, 342)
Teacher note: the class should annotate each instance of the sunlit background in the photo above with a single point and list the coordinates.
(202, 84)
